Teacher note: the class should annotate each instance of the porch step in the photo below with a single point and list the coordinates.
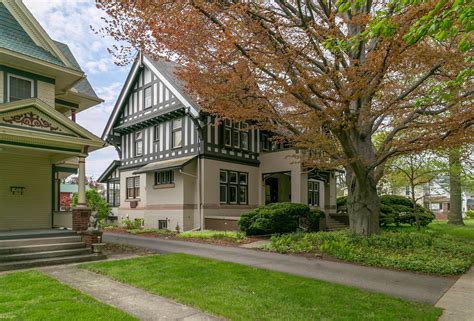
(35, 234)
(39, 241)
(41, 248)
(50, 261)
(43, 255)
(334, 225)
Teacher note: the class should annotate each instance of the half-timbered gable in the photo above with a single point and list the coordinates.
(153, 119)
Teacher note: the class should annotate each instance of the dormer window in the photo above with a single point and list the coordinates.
(19, 88)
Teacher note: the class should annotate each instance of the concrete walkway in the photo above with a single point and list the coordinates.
(411, 286)
(458, 302)
(138, 303)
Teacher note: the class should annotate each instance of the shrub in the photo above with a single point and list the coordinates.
(395, 209)
(416, 251)
(95, 202)
(135, 224)
(470, 214)
(279, 218)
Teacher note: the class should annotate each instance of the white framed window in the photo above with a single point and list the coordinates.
(138, 144)
(133, 187)
(244, 136)
(147, 99)
(19, 88)
(177, 133)
(156, 133)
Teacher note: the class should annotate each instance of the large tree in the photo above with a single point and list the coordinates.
(328, 74)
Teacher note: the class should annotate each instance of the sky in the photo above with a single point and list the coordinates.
(70, 21)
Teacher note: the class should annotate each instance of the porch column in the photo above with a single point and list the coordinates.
(81, 193)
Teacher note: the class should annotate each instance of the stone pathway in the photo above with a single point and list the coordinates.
(256, 244)
(458, 301)
(418, 287)
(136, 302)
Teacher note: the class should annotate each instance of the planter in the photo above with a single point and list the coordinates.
(98, 247)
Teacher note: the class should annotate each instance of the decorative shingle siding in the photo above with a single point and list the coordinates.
(14, 38)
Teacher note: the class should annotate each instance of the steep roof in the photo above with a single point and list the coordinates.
(83, 86)
(13, 37)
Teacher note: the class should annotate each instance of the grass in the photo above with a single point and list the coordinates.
(442, 227)
(239, 292)
(35, 296)
(216, 235)
(398, 248)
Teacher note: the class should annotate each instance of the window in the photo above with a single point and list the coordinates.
(227, 132)
(19, 88)
(265, 142)
(147, 98)
(233, 187)
(133, 187)
(156, 135)
(177, 133)
(162, 224)
(113, 196)
(165, 177)
(313, 193)
(244, 136)
(138, 144)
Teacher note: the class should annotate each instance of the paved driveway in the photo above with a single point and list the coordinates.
(411, 286)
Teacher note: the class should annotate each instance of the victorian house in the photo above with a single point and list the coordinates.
(178, 169)
(42, 88)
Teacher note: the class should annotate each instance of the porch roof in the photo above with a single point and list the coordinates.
(31, 123)
(176, 163)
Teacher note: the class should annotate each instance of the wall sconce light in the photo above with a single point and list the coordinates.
(17, 190)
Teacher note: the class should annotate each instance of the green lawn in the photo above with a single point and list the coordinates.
(35, 296)
(442, 227)
(239, 292)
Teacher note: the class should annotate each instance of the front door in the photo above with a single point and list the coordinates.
(271, 190)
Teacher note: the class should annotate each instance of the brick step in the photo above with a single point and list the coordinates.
(41, 248)
(43, 255)
(336, 228)
(50, 261)
(39, 241)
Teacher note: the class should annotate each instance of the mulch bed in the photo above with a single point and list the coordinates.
(173, 237)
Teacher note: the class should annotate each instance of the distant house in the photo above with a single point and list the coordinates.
(65, 195)
(179, 167)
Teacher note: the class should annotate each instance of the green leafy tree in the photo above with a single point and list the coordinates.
(95, 202)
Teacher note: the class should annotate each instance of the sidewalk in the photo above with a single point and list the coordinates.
(136, 302)
(458, 302)
(406, 285)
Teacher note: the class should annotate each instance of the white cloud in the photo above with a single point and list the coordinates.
(70, 21)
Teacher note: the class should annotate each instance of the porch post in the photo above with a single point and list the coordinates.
(81, 193)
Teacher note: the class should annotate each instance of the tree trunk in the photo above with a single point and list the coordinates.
(415, 209)
(455, 198)
(363, 204)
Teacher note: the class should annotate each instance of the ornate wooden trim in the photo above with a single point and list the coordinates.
(31, 120)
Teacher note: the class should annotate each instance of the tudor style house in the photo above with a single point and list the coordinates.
(42, 88)
(180, 170)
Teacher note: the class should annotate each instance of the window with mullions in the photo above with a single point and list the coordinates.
(138, 144)
(313, 193)
(233, 187)
(165, 177)
(177, 133)
(113, 197)
(156, 134)
(236, 134)
(133, 187)
(19, 88)
(265, 142)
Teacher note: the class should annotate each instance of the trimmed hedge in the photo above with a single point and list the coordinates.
(280, 218)
(395, 209)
